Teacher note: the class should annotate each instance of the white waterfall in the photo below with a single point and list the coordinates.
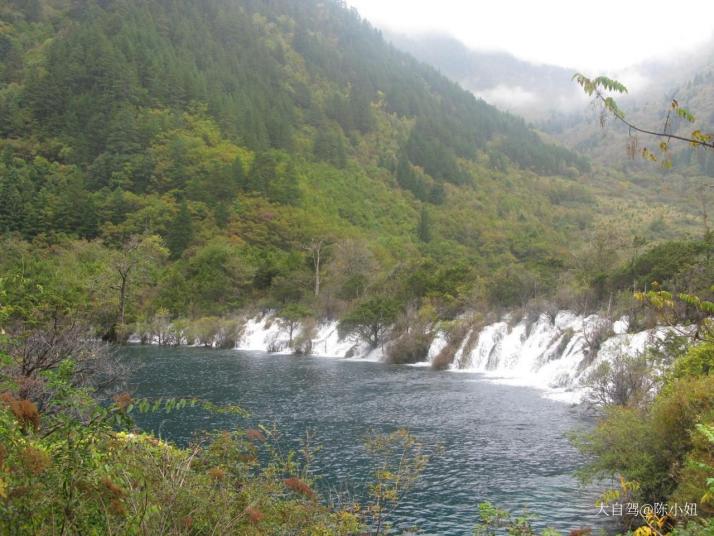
(550, 353)
(328, 343)
(264, 334)
(268, 334)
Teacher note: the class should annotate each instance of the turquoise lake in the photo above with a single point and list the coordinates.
(497, 443)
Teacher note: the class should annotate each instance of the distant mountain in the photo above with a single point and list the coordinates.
(530, 90)
(691, 83)
(547, 96)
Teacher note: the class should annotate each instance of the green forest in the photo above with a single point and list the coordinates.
(230, 138)
(190, 163)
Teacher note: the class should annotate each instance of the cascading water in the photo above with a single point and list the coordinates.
(268, 334)
(552, 353)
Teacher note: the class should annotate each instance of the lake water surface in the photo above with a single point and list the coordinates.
(501, 443)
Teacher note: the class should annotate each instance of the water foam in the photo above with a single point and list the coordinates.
(551, 353)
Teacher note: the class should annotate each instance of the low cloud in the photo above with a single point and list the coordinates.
(506, 97)
(533, 104)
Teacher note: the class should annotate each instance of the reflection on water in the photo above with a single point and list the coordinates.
(500, 443)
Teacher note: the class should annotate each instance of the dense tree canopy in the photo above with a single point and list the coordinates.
(238, 131)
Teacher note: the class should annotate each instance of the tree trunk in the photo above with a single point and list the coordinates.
(316, 257)
(316, 250)
(122, 296)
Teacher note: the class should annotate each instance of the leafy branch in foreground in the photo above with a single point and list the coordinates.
(600, 89)
(496, 521)
(675, 310)
(400, 462)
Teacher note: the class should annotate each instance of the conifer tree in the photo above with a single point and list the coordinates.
(181, 232)
(424, 227)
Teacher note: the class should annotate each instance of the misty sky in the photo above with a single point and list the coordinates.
(601, 36)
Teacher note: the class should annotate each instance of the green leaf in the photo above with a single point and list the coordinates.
(685, 114)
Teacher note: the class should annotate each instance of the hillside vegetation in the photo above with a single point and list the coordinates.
(651, 108)
(171, 159)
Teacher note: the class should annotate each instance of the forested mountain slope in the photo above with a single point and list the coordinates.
(649, 108)
(547, 96)
(283, 153)
(682, 168)
(532, 91)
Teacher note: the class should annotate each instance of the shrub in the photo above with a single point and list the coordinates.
(649, 446)
(698, 361)
(596, 334)
(696, 479)
(229, 331)
(456, 332)
(626, 380)
(302, 343)
(494, 521)
(411, 347)
(108, 482)
(444, 358)
(205, 330)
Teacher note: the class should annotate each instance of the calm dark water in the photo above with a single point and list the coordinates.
(500, 443)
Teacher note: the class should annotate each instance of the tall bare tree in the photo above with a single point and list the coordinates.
(316, 249)
(136, 260)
